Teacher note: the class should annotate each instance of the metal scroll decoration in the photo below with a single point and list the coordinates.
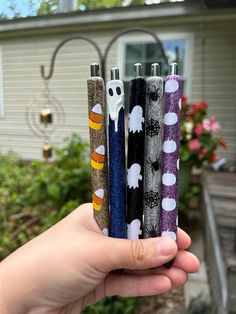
(45, 115)
(103, 56)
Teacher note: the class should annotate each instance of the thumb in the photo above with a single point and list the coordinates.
(137, 254)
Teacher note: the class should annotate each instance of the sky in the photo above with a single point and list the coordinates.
(22, 8)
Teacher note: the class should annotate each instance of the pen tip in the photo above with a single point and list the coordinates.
(94, 69)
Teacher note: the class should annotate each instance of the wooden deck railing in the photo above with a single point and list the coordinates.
(219, 216)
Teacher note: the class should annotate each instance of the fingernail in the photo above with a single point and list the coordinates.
(165, 246)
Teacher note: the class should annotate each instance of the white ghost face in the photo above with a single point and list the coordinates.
(115, 99)
(133, 229)
(134, 176)
(136, 119)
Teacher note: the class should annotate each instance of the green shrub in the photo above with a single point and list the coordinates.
(114, 305)
(36, 195)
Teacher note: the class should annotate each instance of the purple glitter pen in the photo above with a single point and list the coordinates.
(170, 166)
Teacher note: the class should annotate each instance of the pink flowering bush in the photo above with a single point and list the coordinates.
(198, 135)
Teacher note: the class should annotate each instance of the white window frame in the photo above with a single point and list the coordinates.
(1, 85)
(137, 39)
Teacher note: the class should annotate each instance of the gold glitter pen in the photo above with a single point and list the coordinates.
(98, 145)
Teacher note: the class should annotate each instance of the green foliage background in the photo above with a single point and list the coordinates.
(52, 6)
(36, 195)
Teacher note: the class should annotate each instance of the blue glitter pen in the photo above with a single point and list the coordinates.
(115, 101)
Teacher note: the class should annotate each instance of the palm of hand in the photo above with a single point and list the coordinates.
(70, 266)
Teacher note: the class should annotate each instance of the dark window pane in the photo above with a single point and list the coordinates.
(148, 53)
(153, 51)
(129, 69)
(134, 52)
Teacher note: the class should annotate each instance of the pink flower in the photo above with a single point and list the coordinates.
(194, 144)
(198, 130)
(215, 127)
(206, 123)
(205, 150)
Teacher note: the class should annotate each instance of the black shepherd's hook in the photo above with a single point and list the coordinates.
(124, 32)
(102, 57)
(53, 59)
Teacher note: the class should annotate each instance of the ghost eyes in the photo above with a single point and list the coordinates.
(118, 90)
(110, 91)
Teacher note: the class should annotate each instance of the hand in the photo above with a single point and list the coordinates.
(69, 267)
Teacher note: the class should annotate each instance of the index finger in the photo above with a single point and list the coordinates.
(183, 239)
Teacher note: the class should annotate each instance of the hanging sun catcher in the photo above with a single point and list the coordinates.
(44, 116)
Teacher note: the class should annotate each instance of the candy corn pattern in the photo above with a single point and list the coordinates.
(95, 117)
(98, 145)
(98, 199)
(98, 158)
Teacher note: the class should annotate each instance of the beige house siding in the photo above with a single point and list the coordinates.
(21, 73)
(21, 80)
(214, 75)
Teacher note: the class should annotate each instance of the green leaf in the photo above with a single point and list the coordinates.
(54, 190)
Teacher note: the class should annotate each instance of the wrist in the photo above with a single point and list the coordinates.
(11, 291)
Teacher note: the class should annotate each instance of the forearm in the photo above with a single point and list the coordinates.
(19, 284)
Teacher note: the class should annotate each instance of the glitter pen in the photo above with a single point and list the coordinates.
(136, 131)
(98, 145)
(153, 152)
(171, 142)
(117, 170)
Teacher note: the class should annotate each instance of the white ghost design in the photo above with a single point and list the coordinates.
(171, 86)
(136, 119)
(115, 99)
(169, 234)
(134, 175)
(133, 229)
